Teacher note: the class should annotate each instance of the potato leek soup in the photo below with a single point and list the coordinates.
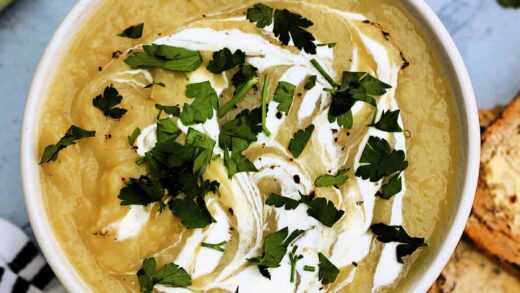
(280, 146)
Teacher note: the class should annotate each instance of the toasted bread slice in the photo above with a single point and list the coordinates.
(494, 224)
(470, 271)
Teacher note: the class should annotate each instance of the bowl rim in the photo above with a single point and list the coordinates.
(31, 176)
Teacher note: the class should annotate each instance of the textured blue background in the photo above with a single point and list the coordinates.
(487, 35)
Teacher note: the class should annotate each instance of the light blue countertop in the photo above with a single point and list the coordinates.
(487, 35)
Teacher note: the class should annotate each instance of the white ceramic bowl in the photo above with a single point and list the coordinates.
(425, 18)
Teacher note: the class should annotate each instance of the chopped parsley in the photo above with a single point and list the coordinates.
(161, 84)
(389, 122)
(309, 268)
(107, 102)
(330, 180)
(217, 246)
(142, 191)
(327, 271)
(300, 140)
(311, 82)
(265, 92)
(236, 136)
(378, 160)
(165, 57)
(224, 60)
(244, 74)
(193, 213)
(321, 209)
(407, 244)
(329, 45)
(133, 137)
(293, 259)
(133, 32)
(166, 129)
(74, 133)
(274, 249)
(391, 188)
(239, 96)
(204, 104)
(284, 96)
(287, 26)
(170, 275)
(170, 110)
(509, 3)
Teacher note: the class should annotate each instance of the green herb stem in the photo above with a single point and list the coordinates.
(265, 92)
(239, 96)
(217, 247)
(294, 258)
(324, 73)
(309, 268)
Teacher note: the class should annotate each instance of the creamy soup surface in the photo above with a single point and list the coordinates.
(287, 146)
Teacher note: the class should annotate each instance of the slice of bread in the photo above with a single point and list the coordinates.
(494, 224)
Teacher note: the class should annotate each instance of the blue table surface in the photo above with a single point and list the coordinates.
(487, 35)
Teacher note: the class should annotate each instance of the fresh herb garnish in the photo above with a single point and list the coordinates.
(133, 137)
(165, 57)
(265, 92)
(389, 122)
(161, 84)
(509, 3)
(261, 14)
(300, 140)
(170, 110)
(166, 129)
(309, 268)
(378, 160)
(330, 180)
(133, 32)
(293, 259)
(407, 244)
(243, 75)
(239, 96)
(311, 82)
(193, 213)
(287, 26)
(391, 188)
(275, 248)
(217, 246)
(202, 108)
(321, 209)
(107, 102)
(74, 133)
(327, 272)
(284, 96)
(170, 275)
(330, 45)
(236, 136)
(224, 60)
(142, 191)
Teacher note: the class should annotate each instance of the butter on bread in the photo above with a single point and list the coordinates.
(494, 224)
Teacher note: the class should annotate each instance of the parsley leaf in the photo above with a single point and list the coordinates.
(389, 122)
(261, 14)
(284, 95)
(170, 275)
(203, 150)
(224, 60)
(244, 74)
(387, 234)
(165, 57)
(142, 191)
(327, 272)
(378, 160)
(391, 188)
(166, 129)
(193, 213)
(217, 246)
(330, 180)
(202, 108)
(133, 32)
(107, 101)
(236, 136)
(275, 248)
(311, 82)
(289, 25)
(74, 133)
(170, 110)
(282, 201)
(509, 3)
(323, 210)
(132, 138)
(300, 140)
(239, 96)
